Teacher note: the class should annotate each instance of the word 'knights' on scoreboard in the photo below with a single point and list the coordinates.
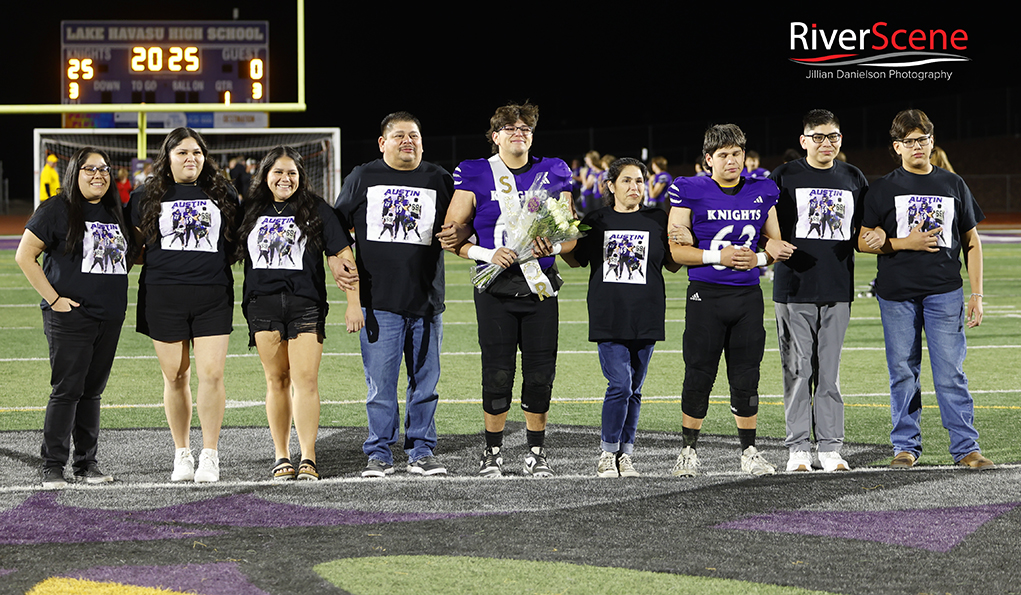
(164, 61)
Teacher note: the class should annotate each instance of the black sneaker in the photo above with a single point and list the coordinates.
(427, 466)
(377, 468)
(92, 475)
(491, 464)
(535, 463)
(53, 478)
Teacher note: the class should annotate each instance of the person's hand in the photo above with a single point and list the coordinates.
(63, 304)
(681, 235)
(504, 257)
(874, 238)
(354, 318)
(345, 272)
(973, 312)
(741, 259)
(542, 247)
(779, 250)
(923, 241)
(453, 234)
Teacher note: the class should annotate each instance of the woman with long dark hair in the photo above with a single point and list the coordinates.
(83, 282)
(285, 232)
(186, 217)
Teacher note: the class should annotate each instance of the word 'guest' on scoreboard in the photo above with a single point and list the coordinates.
(164, 61)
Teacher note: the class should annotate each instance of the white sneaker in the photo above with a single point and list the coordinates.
(832, 461)
(184, 465)
(753, 462)
(209, 466)
(626, 466)
(687, 463)
(800, 460)
(607, 465)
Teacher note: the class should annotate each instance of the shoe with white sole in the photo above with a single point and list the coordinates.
(687, 463)
(832, 461)
(753, 462)
(799, 461)
(626, 466)
(209, 466)
(607, 465)
(184, 465)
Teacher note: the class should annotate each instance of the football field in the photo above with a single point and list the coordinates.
(133, 397)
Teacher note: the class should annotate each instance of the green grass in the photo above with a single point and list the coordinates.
(134, 392)
(442, 574)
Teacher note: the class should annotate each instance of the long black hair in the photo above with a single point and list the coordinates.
(72, 198)
(210, 180)
(304, 201)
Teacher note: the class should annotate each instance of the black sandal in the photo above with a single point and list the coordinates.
(283, 470)
(307, 470)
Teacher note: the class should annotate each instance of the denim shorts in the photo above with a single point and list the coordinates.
(288, 314)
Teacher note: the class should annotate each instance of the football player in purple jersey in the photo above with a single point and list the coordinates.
(520, 307)
(727, 214)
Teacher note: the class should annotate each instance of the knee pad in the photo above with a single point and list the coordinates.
(536, 389)
(496, 390)
(744, 393)
(743, 404)
(695, 394)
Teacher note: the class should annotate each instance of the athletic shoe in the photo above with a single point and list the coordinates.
(975, 460)
(92, 475)
(607, 465)
(626, 466)
(184, 465)
(491, 464)
(209, 466)
(53, 478)
(535, 463)
(832, 461)
(902, 460)
(687, 463)
(753, 462)
(377, 468)
(427, 466)
(800, 460)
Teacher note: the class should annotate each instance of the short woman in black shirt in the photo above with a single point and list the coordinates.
(285, 232)
(627, 250)
(84, 284)
(185, 215)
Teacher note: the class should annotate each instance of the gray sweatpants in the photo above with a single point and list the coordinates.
(811, 337)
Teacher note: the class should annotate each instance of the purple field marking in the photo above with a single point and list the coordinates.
(934, 529)
(245, 510)
(9, 243)
(220, 578)
(4, 571)
(41, 520)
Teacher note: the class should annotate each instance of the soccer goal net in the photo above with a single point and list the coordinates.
(319, 147)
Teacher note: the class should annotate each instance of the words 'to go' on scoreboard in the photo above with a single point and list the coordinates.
(164, 61)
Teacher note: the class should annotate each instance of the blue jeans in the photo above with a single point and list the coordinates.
(385, 339)
(624, 365)
(942, 316)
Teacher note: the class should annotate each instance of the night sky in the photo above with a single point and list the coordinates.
(636, 65)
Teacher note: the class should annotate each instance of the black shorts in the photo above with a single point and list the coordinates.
(288, 314)
(171, 313)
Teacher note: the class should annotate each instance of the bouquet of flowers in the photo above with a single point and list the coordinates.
(537, 214)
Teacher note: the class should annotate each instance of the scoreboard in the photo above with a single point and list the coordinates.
(164, 61)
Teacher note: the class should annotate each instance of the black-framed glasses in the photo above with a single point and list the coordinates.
(922, 141)
(92, 170)
(818, 138)
(525, 130)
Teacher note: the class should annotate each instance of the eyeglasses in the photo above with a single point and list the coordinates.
(525, 130)
(818, 138)
(922, 141)
(93, 171)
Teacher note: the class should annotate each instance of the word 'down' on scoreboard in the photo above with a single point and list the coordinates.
(164, 61)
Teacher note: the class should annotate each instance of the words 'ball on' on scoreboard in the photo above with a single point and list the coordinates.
(164, 61)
